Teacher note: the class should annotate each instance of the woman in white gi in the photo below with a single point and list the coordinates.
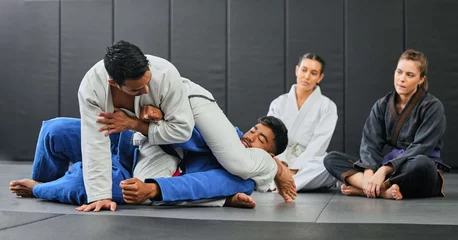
(409, 120)
(311, 119)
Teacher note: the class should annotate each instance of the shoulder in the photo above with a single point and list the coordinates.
(280, 99)
(96, 77)
(159, 63)
(381, 104)
(327, 105)
(430, 102)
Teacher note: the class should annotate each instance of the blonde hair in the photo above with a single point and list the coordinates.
(420, 58)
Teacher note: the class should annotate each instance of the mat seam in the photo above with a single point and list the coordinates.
(319, 215)
(39, 220)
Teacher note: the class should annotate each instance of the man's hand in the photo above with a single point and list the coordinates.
(115, 122)
(151, 114)
(285, 182)
(96, 206)
(134, 191)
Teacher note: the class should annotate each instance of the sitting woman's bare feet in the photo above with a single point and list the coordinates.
(351, 190)
(394, 192)
(23, 188)
(240, 200)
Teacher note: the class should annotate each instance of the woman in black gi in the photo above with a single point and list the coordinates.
(411, 121)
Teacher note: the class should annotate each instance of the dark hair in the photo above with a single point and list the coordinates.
(280, 132)
(125, 61)
(420, 58)
(313, 56)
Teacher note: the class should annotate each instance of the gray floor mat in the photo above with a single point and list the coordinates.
(125, 227)
(331, 207)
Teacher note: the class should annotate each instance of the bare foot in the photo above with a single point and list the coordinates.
(351, 190)
(23, 188)
(240, 200)
(394, 192)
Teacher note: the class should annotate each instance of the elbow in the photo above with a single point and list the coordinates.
(182, 134)
(242, 173)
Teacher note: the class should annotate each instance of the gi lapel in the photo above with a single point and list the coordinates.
(109, 107)
(414, 100)
(290, 107)
(307, 107)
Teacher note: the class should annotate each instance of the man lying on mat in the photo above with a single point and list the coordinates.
(202, 176)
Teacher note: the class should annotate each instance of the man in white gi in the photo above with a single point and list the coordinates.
(113, 97)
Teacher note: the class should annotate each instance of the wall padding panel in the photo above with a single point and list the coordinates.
(431, 28)
(317, 26)
(144, 23)
(29, 40)
(86, 32)
(373, 44)
(198, 46)
(256, 58)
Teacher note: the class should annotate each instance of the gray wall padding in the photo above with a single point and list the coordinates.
(86, 31)
(145, 23)
(29, 73)
(317, 26)
(373, 45)
(431, 28)
(256, 58)
(243, 51)
(198, 46)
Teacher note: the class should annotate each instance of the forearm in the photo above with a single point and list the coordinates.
(202, 185)
(386, 169)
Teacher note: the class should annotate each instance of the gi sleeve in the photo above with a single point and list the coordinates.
(373, 140)
(95, 146)
(178, 120)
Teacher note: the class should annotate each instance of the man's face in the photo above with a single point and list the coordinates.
(259, 136)
(135, 87)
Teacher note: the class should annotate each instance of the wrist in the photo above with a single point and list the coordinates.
(387, 169)
(134, 124)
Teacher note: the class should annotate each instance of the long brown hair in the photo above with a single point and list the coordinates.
(420, 58)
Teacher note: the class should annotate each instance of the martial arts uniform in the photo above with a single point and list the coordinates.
(310, 130)
(203, 179)
(59, 143)
(414, 135)
(185, 105)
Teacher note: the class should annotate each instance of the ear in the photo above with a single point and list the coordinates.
(113, 83)
(321, 78)
(297, 69)
(422, 80)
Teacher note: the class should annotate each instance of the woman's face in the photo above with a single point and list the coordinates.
(308, 74)
(407, 77)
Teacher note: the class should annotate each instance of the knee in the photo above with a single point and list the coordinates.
(330, 159)
(422, 163)
(57, 127)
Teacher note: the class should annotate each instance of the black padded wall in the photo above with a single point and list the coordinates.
(29, 43)
(243, 51)
(256, 58)
(317, 26)
(431, 28)
(198, 44)
(86, 31)
(373, 44)
(144, 23)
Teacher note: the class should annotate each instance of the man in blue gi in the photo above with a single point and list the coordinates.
(202, 176)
